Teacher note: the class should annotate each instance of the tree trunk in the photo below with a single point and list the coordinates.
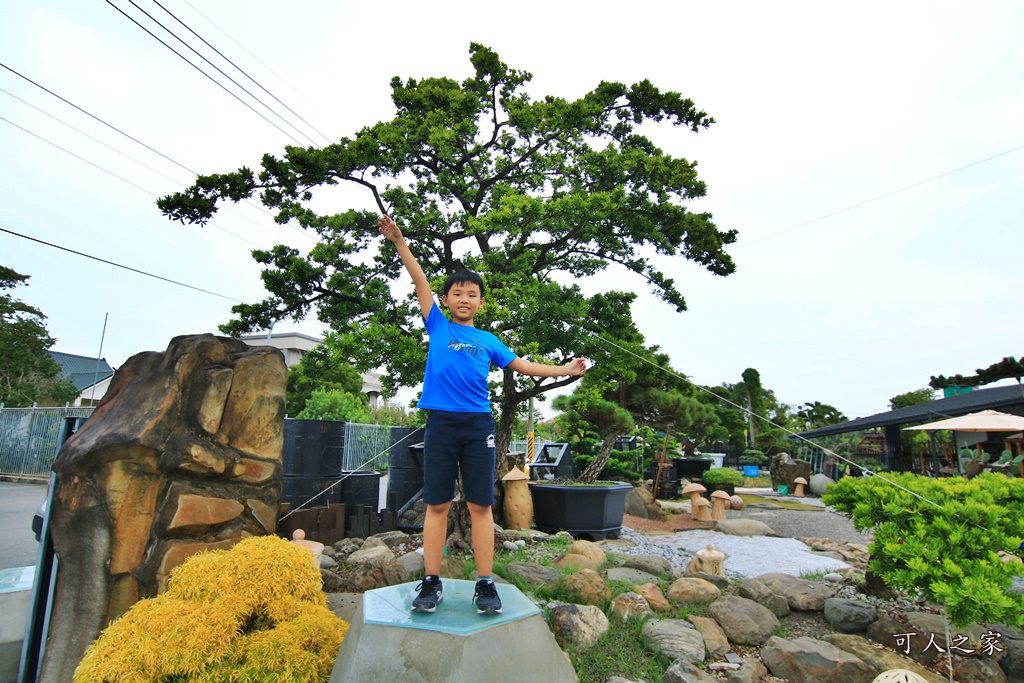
(593, 470)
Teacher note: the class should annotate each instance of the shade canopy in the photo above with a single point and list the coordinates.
(984, 421)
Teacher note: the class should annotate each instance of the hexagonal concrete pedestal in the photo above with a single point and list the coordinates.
(387, 643)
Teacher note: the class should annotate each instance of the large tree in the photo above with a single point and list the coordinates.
(534, 194)
(28, 373)
(1006, 368)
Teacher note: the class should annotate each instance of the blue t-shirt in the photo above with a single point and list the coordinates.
(458, 361)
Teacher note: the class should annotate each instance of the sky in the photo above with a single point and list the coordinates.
(870, 156)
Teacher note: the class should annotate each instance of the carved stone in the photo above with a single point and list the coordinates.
(183, 454)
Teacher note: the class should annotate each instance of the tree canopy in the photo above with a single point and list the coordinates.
(1004, 369)
(912, 398)
(533, 194)
(28, 373)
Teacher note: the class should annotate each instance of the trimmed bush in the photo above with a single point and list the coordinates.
(250, 614)
(722, 475)
(940, 538)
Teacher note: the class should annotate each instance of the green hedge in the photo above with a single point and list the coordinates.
(940, 538)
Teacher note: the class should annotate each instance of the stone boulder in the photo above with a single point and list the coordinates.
(587, 587)
(744, 527)
(654, 596)
(674, 638)
(534, 576)
(715, 640)
(580, 626)
(879, 659)
(628, 605)
(183, 454)
(690, 590)
(801, 594)
(753, 589)
(808, 660)
(652, 564)
(785, 469)
(628, 575)
(684, 672)
(743, 620)
(849, 616)
(818, 484)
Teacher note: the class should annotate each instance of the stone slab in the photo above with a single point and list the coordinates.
(386, 642)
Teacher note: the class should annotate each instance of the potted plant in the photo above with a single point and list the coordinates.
(584, 505)
(722, 479)
(692, 467)
(751, 460)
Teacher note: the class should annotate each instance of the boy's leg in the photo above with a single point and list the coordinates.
(435, 527)
(483, 537)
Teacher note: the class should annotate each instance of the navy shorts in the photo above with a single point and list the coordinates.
(455, 442)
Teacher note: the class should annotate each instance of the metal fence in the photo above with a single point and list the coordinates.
(30, 437)
(363, 444)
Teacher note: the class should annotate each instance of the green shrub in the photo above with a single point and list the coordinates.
(752, 456)
(722, 475)
(940, 538)
(621, 465)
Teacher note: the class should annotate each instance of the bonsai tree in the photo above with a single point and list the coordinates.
(606, 418)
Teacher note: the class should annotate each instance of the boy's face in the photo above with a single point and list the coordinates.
(463, 300)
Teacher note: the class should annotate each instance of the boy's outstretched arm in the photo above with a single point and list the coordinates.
(573, 368)
(388, 228)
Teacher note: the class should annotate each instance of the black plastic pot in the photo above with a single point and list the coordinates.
(594, 510)
(692, 468)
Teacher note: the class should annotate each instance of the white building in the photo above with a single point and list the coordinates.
(294, 345)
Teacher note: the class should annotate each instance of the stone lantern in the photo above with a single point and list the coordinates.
(518, 506)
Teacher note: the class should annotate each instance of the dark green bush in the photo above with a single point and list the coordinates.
(722, 475)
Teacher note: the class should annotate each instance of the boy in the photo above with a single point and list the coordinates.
(460, 429)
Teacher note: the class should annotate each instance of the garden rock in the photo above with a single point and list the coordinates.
(653, 595)
(332, 582)
(684, 672)
(690, 590)
(751, 671)
(372, 556)
(535, 576)
(390, 538)
(587, 587)
(325, 562)
(1013, 644)
(752, 589)
(744, 621)
(620, 679)
(802, 595)
(744, 527)
(626, 605)
(576, 561)
(588, 549)
(879, 659)
(674, 638)
(979, 670)
(818, 483)
(412, 562)
(627, 575)
(580, 626)
(652, 564)
(723, 582)
(715, 640)
(785, 469)
(808, 660)
(374, 542)
(849, 616)
(635, 504)
(452, 567)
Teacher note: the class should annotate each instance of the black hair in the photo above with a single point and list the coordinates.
(462, 277)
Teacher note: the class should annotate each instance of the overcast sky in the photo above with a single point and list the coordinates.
(871, 157)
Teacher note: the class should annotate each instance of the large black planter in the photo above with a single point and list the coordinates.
(692, 468)
(592, 510)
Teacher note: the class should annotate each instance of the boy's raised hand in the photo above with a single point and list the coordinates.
(576, 367)
(388, 228)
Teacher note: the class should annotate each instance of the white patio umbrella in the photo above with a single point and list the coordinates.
(984, 421)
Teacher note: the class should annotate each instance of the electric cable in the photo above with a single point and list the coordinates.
(242, 71)
(211, 78)
(118, 265)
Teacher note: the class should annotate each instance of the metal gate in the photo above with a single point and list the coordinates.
(30, 437)
(365, 446)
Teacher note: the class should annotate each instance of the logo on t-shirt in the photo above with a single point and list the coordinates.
(465, 347)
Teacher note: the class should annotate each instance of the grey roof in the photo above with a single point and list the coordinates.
(82, 370)
(996, 398)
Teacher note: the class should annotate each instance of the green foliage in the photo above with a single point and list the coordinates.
(1004, 369)
(586, 405)
(530, 194)
(28, 373)
(752, 456)
(946, 551)
(332, 404)
(817, 414)
(912, 398)
(621, 466)
(323, 368)
(722, 475)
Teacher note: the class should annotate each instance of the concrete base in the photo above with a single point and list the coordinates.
(15, 601)
(386, 643)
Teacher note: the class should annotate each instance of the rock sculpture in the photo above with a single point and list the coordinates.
(785, 470)
(183, 454)
(709, 561)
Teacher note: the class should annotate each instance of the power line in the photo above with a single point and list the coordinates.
(155, 151)
(241, 71)
(111, 263)
(211, 78)
(875, 199)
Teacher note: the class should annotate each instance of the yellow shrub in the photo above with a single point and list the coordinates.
(253, 613)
